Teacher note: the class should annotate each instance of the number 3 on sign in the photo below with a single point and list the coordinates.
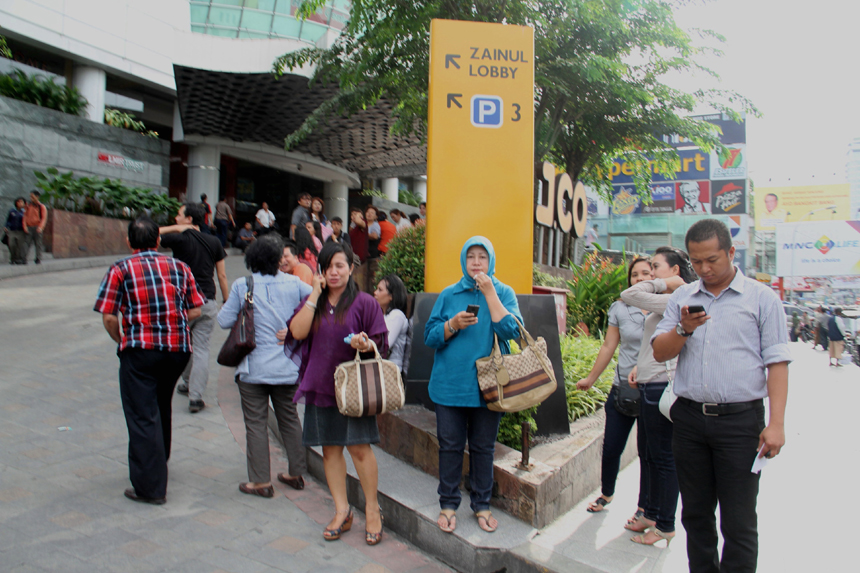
(517, 115)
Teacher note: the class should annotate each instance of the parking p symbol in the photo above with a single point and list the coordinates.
(486, 111)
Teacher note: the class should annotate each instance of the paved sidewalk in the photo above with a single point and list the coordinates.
(61, 503)
(63, 464)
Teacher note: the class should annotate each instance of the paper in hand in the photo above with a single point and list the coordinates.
(759, 462)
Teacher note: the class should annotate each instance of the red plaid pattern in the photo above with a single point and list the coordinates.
(153, 292)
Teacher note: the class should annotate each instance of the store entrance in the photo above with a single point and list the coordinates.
(250, 184)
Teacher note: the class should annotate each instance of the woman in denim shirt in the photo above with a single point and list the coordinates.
(461, 338)
(267, 372)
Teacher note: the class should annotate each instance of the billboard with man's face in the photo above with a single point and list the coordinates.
(775, 205)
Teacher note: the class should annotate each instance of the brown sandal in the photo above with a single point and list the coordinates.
(486, 516)
(450, 518)
(346, 525)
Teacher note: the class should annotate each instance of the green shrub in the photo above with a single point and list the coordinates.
(408, 197)
(405, 258)
(118, 118)
(42, 91)
(103, 197)
(540, 278)
(511, 428)
(4, 48)
(596, 284)
(578, 355)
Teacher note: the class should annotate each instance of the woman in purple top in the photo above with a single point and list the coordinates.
(334, 310)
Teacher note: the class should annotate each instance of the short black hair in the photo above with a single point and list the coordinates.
(397, 290)
(355, 209)
(292, 247)
(203, 197)
(422, 204)
(707, 229)
(336, 220)
(143, 233)
(264, 255)
(19, 199)
(414, 217)
(195, 211)
(303, 195)
(382, 216)
(36, 193)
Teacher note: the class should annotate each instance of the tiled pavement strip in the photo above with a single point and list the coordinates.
(62, 509)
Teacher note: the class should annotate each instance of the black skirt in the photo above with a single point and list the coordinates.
(328, 427)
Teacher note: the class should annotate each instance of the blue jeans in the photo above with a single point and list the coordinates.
(659, 463)
(615, 436)
(454, 425)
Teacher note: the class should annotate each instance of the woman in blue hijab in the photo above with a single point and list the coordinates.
(460, 338)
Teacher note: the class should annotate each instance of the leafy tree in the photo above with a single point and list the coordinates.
(599, 71)
(4, 48)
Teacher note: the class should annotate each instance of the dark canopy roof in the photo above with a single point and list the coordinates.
(260, 108)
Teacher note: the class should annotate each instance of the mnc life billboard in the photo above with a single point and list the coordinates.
(818, 249)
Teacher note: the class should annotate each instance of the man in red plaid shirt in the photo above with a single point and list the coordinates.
(157, 297)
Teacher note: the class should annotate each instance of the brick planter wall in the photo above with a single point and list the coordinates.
(71, 235)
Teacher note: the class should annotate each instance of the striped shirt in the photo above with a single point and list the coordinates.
(153, 292)
(724, 360)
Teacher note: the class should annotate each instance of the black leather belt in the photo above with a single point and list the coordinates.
(712, 409)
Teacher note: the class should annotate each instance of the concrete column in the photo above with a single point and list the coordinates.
(204, 164)
(390, 187)
(336, 197)
(91, 83)
(420, 187)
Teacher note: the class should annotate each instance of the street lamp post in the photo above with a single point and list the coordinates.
(793, 297)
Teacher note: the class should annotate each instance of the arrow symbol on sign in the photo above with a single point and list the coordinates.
(451, 59)
(452, 98)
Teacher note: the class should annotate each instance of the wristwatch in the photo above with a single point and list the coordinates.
(681, 332)
(451, 329)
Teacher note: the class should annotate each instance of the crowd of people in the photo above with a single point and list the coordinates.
(24, 226)
(161, 312)
(682, 313)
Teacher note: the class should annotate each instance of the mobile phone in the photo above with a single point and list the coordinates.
(319, 270)
(473, 309)
(695, 308)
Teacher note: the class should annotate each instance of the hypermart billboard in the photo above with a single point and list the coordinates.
(774, 205)
(818, 249)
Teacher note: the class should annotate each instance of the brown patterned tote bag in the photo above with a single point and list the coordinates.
(514, 382)
(368, 387)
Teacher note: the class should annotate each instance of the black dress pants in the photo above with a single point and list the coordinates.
(713, 458)
(146, 382)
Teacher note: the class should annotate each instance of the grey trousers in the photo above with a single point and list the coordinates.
(17, 247)
(196, 374)
(255, 407)
(34, 237)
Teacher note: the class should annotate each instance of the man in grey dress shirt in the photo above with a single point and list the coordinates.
(730, 358)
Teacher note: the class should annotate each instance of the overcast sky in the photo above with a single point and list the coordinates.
(797, 61)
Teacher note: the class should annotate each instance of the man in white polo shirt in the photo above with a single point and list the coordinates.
(265, 219)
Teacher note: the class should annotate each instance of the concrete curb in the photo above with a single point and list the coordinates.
(55, 265)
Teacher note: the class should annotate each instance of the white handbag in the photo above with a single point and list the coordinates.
(668, 398)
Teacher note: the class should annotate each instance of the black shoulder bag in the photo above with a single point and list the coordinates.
(241, 341)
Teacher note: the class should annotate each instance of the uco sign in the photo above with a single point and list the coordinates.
(566, 205)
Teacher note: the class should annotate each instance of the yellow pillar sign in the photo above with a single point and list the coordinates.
(480, 152)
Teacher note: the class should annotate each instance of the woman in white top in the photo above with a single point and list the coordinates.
(672, 269)
(390, 293)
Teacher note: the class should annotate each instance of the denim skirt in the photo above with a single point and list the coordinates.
(328, 427)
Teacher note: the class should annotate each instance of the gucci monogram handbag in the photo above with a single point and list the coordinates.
(368, 387)
(514, 382)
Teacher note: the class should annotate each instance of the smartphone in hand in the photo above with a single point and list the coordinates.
(473, 309)
(694, 308)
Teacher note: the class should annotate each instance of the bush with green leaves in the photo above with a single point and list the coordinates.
(540, 278)
(578, 355)
(103, 197)
(42, 91)
(117, 118)
(596, 284)
(405, 258)
(408, 197)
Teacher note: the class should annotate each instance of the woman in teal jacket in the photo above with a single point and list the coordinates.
(460, 338)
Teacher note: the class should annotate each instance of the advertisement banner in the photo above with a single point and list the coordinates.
(625, 200)
(732, 131)
(693, 197)
(818, 249)
(739, 228)
(775, 205)
(662, 197)
(692, 164)
(729, 163)
(728, 197)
